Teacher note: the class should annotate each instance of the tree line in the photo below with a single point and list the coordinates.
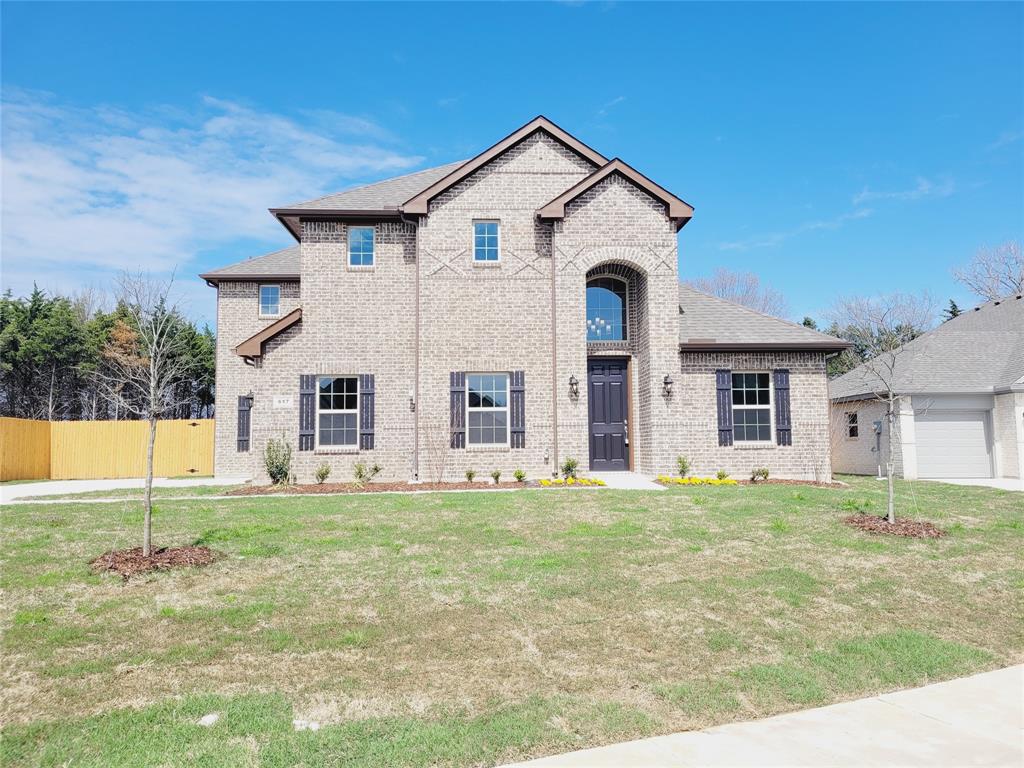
(58, 354)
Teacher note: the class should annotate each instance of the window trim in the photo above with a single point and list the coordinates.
(855, 424)
(770, 406)
(259, 299)
(508, 426)
(373, 247)
(625, 308)
(484, 262)
(354, 448)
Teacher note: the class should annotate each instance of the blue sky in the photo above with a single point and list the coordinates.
(833, 149)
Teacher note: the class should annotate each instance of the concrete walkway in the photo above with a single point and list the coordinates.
(1002, 483)
(629, 481)
(53, 487)
(974, 721)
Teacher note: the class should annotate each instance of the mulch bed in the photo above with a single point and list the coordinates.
(262, 490)
(917, 529)
(130, 562)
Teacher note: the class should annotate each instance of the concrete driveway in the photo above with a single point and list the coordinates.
(14, 491)
(1003, 483)
(974, 721)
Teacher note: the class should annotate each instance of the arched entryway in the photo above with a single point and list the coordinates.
(614, 333)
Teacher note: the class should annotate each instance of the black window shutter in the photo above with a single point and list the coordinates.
(517, 409)
(307, 412)
(457, 389)
(366, 398)
(244, 422)
(723, 382)
(783, 418)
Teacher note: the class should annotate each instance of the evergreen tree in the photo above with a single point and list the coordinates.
(952, 311)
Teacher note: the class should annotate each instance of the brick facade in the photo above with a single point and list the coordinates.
(426, 309)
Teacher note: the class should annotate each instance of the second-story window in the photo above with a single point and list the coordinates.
(270, 300)
(485, 241)
(360, 246)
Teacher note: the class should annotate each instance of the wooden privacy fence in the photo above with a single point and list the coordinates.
(88, 450)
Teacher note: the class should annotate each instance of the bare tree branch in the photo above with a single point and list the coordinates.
(881, 327)
(146, 360)
(743, 288)
(994, 273)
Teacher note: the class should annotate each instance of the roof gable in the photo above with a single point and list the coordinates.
(678, 210)
(420, 203)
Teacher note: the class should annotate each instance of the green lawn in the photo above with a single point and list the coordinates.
(137, 493)
(468, 629)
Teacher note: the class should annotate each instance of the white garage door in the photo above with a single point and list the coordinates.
(953, 444)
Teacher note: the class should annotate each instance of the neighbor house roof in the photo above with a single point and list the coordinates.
(978, 351)
(708, 323)
(278, 265)
(678, 210)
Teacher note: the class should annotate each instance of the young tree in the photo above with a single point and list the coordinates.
(743, 288)
(880, 328)
(146, 359)
(994, 272)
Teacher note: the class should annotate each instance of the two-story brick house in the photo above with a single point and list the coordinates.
(510, 311)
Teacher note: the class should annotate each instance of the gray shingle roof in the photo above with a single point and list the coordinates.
(708, 322)
(981, 350)
(381, 195)
(277, 264)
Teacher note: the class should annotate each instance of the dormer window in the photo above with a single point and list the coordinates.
(360, 246)
(270, 300)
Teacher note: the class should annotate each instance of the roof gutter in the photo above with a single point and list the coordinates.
(285, 215)
(212, 278)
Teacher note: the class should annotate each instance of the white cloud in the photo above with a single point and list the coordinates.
(1005, 139)
(772, 239)
(922, 188)
(94, 190)
(603, 111)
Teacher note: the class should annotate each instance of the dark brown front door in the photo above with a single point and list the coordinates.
(609, 438)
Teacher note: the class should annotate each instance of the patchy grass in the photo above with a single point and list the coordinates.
(472, 629)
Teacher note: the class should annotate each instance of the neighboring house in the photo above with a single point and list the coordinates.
(961, 410)
(510, 311)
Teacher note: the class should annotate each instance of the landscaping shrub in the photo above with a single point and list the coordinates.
(722, 474)
(569, 467)
(496, 474)
(666, 480)
(470, 474)
(759, 473)
(364, 475)
(519, 475)
(277, 458)
(684, 465)
(322, 472)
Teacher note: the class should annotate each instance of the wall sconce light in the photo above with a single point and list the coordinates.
(666, 386)
(412, 399)
(574, 387)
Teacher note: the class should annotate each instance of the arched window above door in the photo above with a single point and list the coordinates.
(606, 309)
